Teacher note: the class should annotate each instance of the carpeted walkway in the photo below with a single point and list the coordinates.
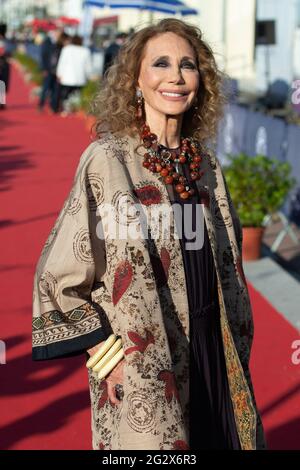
(46, 405)
(276, 379)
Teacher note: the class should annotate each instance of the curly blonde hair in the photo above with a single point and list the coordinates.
(115, 104)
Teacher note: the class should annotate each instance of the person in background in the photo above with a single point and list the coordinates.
(48, 67)
(63, 40)
(74, 67)
(4, 63)
(112, 50)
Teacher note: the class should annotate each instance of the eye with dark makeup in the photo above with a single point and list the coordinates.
(189, 64)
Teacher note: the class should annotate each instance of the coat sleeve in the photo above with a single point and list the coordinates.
(235, 219)
(243, 333)
(242, 320)
(65, 319)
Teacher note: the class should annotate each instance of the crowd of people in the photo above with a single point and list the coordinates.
(67, 66)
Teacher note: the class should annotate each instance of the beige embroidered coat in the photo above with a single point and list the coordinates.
(85, 284)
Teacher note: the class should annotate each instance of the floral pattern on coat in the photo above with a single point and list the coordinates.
(137, 289)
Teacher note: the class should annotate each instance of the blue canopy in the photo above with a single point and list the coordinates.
(171, 7)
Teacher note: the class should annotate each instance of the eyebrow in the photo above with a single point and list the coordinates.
(167, 57)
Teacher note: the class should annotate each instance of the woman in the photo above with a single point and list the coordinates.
(183, 313)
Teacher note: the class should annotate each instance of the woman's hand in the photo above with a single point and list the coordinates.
(113, 378)
(94, 349)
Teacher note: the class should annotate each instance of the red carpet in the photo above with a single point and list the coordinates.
(276, 379)
(46, 405)
(43, 405)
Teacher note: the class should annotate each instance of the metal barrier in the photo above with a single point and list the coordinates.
(243, 130)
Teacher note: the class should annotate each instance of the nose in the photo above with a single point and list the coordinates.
(176, 74)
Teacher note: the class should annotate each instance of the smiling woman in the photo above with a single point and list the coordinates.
(169, 84)
(153, 59)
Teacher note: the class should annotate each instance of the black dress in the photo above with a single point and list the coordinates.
(212, 423)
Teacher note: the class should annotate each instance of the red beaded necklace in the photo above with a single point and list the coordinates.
(166, 162)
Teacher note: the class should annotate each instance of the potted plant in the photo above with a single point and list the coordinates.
(258, 187)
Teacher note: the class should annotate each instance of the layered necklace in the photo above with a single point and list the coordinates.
(166, 163)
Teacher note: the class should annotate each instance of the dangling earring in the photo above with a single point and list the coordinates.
(195, 109)
(139, 109)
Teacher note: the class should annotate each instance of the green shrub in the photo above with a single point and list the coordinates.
(258, 186)
(31, 66)
(88, 93)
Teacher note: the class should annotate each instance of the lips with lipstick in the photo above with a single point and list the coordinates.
(173, 95)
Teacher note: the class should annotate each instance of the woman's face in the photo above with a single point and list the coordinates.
(169, 66)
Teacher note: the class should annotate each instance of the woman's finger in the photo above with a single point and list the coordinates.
(94, 349)
(116, 374)
(112, 393)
